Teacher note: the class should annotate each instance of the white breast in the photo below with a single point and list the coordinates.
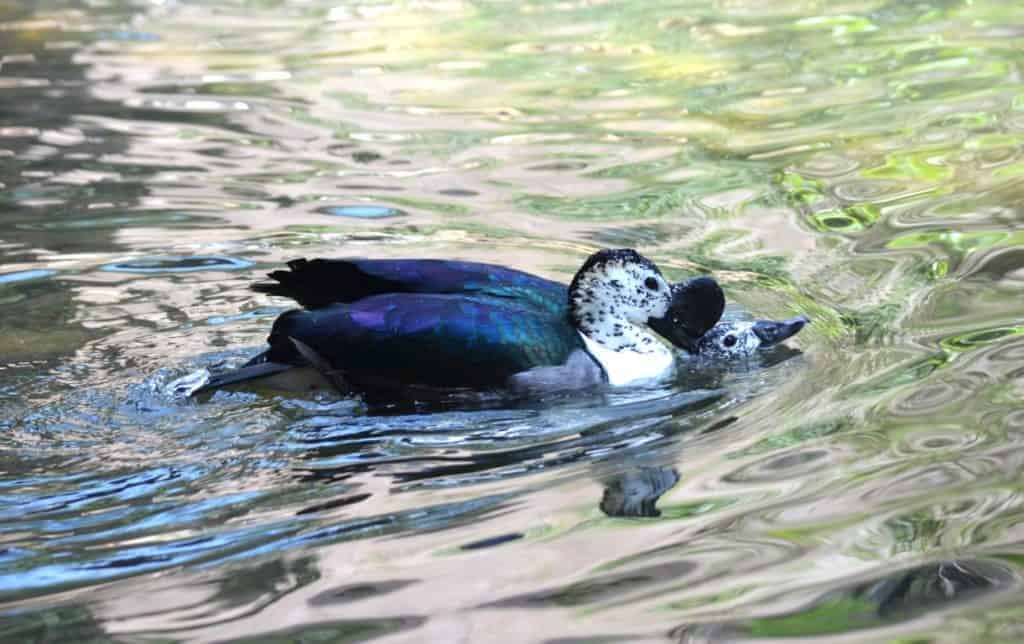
(632, 367)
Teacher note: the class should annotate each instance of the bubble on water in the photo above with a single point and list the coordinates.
(362, 212)
(25, 276)
(178, 264)
(871, 190)
(827, 164)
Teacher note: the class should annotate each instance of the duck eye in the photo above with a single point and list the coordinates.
(729, 340)
(651, 283)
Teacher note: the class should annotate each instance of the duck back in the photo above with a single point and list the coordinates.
(321, 282)
(430, 339)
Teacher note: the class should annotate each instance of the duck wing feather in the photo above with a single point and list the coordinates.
(437, 340)
(316, 283)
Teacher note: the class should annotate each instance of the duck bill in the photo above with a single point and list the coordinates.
(674, 333)
(771, 332)
(696, 306)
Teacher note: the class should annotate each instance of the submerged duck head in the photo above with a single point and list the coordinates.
(697, 305)
(731, 340)
(614, 294)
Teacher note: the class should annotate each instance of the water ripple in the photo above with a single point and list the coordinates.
(178, 265)
(858, 164)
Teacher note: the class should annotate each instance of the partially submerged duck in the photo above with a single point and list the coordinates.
(728, 339)
(392, 324)
(734, 339)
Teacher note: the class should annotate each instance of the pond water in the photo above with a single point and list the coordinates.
(860, 162)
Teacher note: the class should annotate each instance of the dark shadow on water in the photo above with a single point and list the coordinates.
(340, 631)
(886, 600)
(600, 588)
(355, 592)
(491, 542)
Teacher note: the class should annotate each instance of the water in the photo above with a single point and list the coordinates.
(859, 162)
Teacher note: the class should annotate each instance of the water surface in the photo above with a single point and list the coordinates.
(859, 162)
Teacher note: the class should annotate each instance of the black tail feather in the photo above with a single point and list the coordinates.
(319, 282)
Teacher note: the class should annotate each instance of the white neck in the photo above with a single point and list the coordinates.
(647, 360)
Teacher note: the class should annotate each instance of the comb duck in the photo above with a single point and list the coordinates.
(387, 324)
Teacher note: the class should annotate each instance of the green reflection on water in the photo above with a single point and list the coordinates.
(341, 632)
(886, 135)
(837, 615)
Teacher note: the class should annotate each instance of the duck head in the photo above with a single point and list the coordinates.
(613, 297)
(731, 340)
(696, 307)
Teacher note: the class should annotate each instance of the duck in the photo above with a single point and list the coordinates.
(387, 324)
(731, 340)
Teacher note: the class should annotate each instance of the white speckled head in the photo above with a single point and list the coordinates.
(731, 340)
(613, 296)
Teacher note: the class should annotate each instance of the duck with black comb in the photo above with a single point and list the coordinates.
(378, 325)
